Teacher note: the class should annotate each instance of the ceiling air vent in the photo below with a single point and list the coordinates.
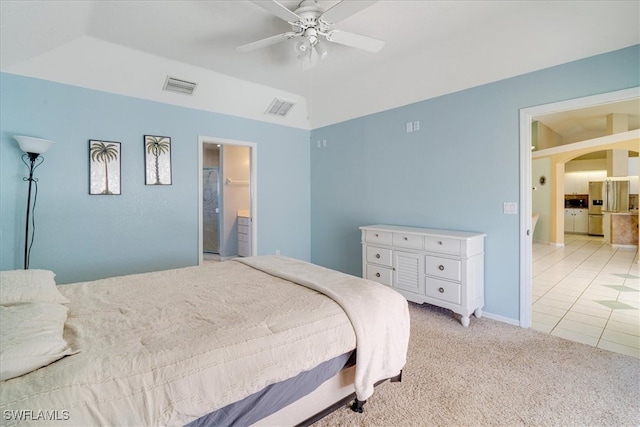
(279, 107)
(180, 86)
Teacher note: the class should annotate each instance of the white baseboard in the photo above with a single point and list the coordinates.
(618, 246)
(499, 318)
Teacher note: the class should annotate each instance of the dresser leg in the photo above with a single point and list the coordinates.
(478, 313)
(465, 321)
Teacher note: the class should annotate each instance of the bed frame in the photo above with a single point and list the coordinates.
(333, 394)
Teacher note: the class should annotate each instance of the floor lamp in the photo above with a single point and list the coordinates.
(33, 148)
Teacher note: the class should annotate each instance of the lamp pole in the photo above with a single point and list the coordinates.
(32, 165)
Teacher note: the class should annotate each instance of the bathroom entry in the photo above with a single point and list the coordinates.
(226, 200)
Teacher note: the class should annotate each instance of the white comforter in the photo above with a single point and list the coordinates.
(379, 315)
(165, 348)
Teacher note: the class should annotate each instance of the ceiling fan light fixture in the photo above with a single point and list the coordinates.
(321, 50)
(310, 22)
(302, 46)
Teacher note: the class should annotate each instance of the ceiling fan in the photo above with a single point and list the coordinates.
(309, 22)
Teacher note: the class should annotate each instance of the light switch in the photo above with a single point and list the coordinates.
(409, 127)
(510, 208)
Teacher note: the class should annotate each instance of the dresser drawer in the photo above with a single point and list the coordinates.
(380, 256)
(243, 237)
(244, 229)
(443, 268)
(243, 220)
(442, 245)
(409, 241)
(244, 249)
(442, 290)
(379, 274)
(379, 237)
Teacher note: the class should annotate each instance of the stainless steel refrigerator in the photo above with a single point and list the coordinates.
(610, 196)
(595, 208)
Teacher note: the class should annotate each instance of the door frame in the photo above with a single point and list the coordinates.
(253, 188)
(526, 235)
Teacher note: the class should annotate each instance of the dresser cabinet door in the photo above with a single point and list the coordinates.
(408, 271)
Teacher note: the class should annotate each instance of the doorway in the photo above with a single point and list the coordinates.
(526, 236)
(226, 197)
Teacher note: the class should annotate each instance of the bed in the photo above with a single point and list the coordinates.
(264, 340)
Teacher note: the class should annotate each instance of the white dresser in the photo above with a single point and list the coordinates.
(244, 233)
(439, 267)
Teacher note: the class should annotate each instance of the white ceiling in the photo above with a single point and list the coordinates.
(591, 122)
(432, 47)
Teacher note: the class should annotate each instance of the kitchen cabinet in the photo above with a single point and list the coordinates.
(576, 183)
(576, 221)
(439, 267)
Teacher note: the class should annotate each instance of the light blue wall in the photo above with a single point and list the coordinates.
(455, 173)
(541, 198)
(83, 237)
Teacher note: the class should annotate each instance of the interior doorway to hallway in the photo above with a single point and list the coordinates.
(227, 208)
(527, 116)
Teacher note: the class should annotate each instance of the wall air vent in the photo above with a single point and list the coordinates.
(279, 107)
(180, 86)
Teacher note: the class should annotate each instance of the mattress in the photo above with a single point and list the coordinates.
(167, 348)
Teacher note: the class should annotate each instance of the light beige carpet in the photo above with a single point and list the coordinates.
(494, 374)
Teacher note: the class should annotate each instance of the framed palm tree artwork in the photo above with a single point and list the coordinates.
(104, 167)
(157, 156)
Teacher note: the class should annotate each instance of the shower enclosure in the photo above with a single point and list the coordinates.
(211, 211)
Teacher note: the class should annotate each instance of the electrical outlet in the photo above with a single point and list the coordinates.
(416, 125)
(277, 251)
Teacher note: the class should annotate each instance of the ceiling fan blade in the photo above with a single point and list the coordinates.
(278, 10)
(343, 10)
(265, 42)
(355, 40)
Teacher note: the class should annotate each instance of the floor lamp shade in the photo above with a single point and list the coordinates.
(29, 144)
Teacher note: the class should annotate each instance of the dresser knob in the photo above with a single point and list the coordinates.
(406, 238)
(378, 256)
(441, 290)
(439, 242)
(377, 274)
(376, 234)
(441, 267)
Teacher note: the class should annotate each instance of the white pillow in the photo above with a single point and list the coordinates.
(31, 337)
(29, 286)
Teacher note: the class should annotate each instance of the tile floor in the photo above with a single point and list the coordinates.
(588, 292)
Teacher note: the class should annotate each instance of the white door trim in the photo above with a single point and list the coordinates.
(526, 119)
(253, 188)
